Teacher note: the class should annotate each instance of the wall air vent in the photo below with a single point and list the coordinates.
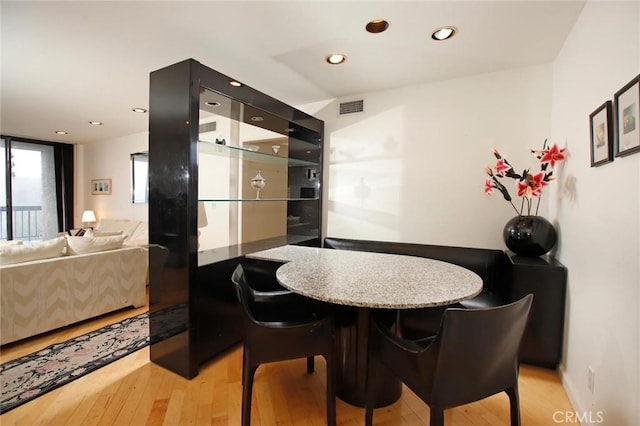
(351, 107)
(207, 127)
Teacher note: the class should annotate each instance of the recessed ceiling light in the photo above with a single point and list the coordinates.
(257, 118)
(139, 110)
(213, 104)
(443, 33)
(235, 83)
(377, 26)
(96, 123)
(60, 132)
(336, 58)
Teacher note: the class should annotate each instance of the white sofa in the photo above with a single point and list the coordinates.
(136, 233)
(41, 295)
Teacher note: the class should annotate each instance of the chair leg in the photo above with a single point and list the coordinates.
(368, 411)
(310, 365)
(514, 405)
(244, 362)
(248, 372)
(437, 416)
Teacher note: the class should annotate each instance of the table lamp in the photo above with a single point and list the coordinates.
(88, 218)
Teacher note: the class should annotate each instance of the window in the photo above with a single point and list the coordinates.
(36, 186)
(140, 177)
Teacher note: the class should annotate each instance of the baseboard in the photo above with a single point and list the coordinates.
(569, 388)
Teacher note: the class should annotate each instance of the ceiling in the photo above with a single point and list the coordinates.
(67, 63)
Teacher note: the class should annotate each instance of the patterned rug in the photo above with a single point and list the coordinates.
(35, 374)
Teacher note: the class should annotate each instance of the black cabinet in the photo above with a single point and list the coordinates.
(546, 279)
(209, 138)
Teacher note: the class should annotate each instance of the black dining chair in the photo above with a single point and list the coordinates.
(474, 355)
(274, 333)
(270, 294)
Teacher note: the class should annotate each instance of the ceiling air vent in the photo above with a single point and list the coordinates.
(351, 107)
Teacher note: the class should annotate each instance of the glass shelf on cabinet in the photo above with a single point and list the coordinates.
(246, 154)
(260, 200)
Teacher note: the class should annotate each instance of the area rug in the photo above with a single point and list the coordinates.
(33, 375)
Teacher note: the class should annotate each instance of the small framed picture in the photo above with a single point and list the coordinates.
(101, 186)
(601, 134)
(626, 103)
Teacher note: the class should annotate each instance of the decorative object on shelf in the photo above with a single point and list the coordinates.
(530, 236)
(203, 222)
(293, 220)
(220, 141)
(100, 186)
(627, 105)
(526, 234)
(275, 149)
(257, 183)
(252, 148)
(311, 174)
(601, 134)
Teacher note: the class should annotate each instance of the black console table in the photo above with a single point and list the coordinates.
(546, 278)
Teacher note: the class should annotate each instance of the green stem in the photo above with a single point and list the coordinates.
(514, 207)
(538, 206)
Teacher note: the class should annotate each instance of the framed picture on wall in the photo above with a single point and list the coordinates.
(601, 124)
(627, 102)
(101, 186)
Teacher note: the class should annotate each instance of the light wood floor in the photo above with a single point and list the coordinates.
(133, 391)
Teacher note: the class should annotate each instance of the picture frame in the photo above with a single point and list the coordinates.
(601, 126)
(100, 186)
(627, 108)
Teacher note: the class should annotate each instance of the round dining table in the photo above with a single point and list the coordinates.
(359, 282)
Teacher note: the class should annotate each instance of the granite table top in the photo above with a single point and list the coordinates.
(372, 280)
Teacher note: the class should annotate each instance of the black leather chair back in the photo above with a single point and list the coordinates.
(478, 352)
(473, 356)
(275, 332)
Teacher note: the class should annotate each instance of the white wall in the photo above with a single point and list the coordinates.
(109, 160)
(599, 214)
(411, 167)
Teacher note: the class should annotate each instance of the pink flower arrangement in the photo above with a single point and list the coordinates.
(528, 185)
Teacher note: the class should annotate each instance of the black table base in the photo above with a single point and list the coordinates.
(352, 334)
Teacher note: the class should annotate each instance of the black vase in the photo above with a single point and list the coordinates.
(530, 236)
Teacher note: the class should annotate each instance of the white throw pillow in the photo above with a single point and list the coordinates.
(127, 226)
(105, 233)
(33, 251)
(87, 244)
(10, 243)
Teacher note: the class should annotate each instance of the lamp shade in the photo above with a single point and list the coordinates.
(202, 216)
(88, 216)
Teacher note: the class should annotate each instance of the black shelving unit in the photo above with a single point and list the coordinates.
(194, 314)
